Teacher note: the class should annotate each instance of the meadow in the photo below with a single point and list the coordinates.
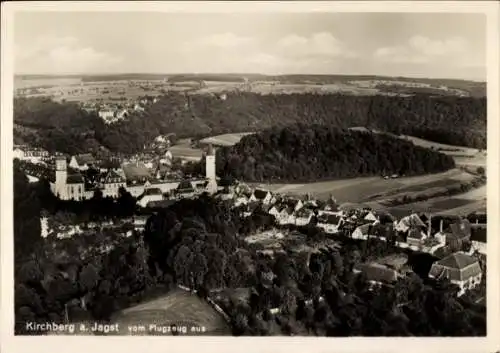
(178, 308)
(225, 139)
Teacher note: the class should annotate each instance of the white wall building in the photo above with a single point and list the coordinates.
(67, 187)
(460, 268)
(210, 172)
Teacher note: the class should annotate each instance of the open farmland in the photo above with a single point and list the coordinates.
(130, 87)
(369, 188)
(372, 190)
(177, 307)
(444, 206)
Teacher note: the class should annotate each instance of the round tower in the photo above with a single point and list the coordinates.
(210, 163)
(210, 173)
(61, 176)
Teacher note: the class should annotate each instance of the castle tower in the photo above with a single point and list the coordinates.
(61, 176)
(210, 170)
(210, 163)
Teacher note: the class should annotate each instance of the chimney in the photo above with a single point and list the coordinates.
(441, 226)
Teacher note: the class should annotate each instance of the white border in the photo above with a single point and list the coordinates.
(232, 344)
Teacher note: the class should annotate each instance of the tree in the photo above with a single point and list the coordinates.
(27, 226)
(183, 266)
(87, 280)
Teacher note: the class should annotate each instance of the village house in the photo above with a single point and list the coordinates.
(416, 237)
(240, 200)
(456, 234)
(82, 161)
(110, 183)
(363, 231)
(330, 206)
(263, 196)
(411, 221)
(249, 208)
(330, 223)
(478, 238)
(370, 216)
(106, 114)
(150, 194)
(384, 271)
(303, 216)
(460, 268)
(140, 222)
(122, 114)
(31, 154)
(309, 202)
(286, 216)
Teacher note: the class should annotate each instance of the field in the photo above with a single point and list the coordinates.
(177, 307)
(182, 149)
(371, 191)
(463, 156)
(367, 188)
(130, 87)
(225, 139)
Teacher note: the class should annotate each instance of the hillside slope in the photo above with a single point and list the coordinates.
(450, 120)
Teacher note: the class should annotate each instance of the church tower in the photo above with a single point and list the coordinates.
(61, 176)
(210, 163)
(210, 170)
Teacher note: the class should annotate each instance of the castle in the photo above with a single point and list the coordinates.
(70, 184)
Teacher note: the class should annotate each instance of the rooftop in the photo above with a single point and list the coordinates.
(458, 260)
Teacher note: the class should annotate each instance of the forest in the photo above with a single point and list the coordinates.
(302, 153)
(66, 128)
(199, 243)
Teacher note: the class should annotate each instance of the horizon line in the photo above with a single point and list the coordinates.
(243, 74)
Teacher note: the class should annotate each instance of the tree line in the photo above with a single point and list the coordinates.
(310, 153)
(67, 128)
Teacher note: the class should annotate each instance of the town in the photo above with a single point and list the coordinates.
(460, 245)
(231, 174)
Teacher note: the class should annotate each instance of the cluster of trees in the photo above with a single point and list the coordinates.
(64, 127)
(83, 278)
(305, 153)
(54, 126)
(324, 297)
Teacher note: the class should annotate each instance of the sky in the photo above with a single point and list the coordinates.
(433, 45)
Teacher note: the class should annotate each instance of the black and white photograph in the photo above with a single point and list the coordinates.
(244, 173)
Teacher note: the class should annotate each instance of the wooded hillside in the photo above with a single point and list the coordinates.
(304, 153)
(62, 126)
